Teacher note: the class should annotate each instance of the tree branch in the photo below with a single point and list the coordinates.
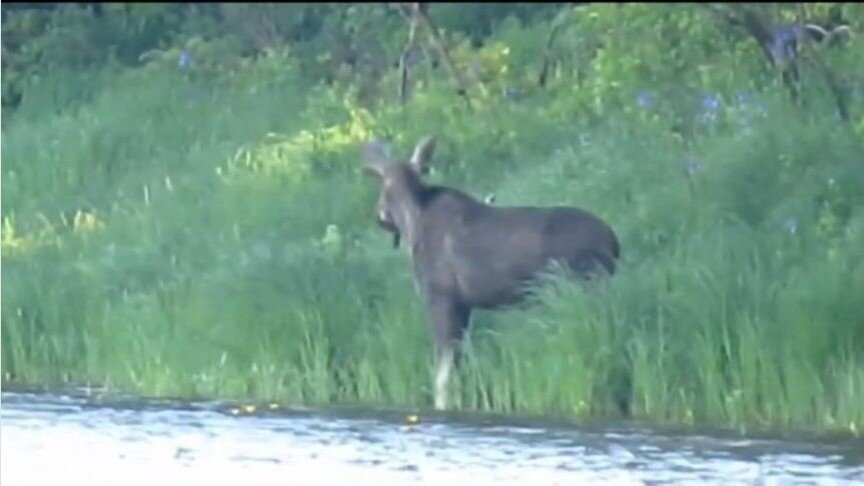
(403, 60)
(437, 44)
(547, 51)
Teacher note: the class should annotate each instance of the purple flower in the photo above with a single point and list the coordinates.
(185, 59)
(379, 148)
(710, 102)
(644, 99)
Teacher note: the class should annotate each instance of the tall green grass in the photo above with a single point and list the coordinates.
(214, 238)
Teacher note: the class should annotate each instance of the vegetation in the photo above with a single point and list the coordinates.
(184, 213)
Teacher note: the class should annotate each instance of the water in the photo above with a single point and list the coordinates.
(59, 439)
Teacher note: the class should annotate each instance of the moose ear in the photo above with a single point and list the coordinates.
(423, 154)
(375, 154)
(377, 151)
(374, 168)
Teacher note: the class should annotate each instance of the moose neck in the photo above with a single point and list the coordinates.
(409, 212)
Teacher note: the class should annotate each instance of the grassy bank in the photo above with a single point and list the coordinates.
(213, 237)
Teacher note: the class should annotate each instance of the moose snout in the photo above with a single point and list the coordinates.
(386, 221)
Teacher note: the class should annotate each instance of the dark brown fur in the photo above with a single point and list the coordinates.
(467, 254)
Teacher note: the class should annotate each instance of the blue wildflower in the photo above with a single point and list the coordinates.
(185, 59)
(743, 98)
(644, 99)
(710, 102)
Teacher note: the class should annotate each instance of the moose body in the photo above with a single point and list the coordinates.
(468, 254)
(482, 256)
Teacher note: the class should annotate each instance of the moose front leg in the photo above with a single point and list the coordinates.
(449, 321)
(445, 363)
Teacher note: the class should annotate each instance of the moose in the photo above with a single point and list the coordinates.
(469, 254)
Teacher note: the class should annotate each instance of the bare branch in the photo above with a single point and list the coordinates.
(437, 44)
(547, 51)
(403, 60)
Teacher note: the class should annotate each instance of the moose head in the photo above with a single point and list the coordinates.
(401, 187)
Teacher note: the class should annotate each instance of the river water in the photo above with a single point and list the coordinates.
(71, 440)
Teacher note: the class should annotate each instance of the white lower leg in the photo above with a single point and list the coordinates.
(442, 378)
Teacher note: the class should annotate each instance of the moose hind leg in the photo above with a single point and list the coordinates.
(449, 321)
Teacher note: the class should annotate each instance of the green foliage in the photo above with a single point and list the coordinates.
(69, 37)
(190, 219)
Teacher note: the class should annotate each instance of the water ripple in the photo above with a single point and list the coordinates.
(181, 443)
